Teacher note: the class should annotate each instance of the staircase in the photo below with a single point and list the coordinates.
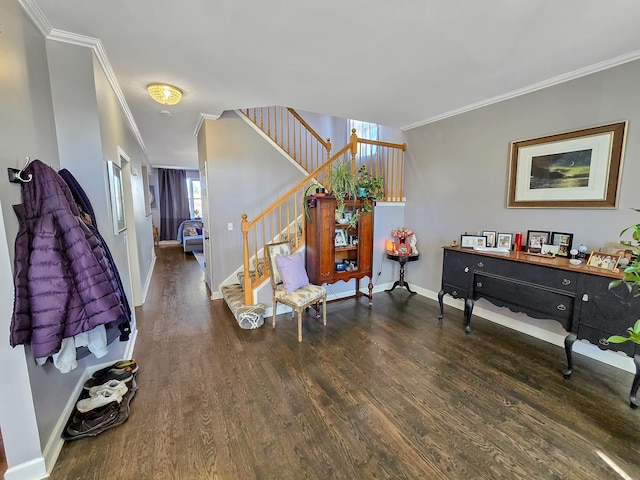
(284, 219)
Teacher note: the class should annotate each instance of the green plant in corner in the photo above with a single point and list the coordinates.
(370, 187)
(342, 184)
(631, 278)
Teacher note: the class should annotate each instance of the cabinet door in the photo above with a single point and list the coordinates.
(456, 273)
(607, 312)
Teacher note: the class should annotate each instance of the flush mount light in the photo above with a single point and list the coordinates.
(164, 94)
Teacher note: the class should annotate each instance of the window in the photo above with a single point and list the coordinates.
(365, 130)
(195, 198)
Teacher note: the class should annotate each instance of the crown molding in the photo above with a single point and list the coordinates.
(581, 72)
(40, 20)
(203, 117)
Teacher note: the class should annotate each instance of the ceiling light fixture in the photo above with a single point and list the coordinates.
(164, 94)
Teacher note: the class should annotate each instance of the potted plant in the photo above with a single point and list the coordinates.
(631, 278)
(342, 185)
(369, 187)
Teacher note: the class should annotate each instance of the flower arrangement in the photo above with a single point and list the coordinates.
(401, 232)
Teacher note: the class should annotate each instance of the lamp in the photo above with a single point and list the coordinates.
(390, 245)
(164, 94)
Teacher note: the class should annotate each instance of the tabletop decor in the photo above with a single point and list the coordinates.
(401, 234)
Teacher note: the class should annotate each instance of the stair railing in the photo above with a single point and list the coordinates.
(282, 220)
(295, 136)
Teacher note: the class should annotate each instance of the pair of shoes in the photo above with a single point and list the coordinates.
(101, 398)
(119, 364)
(122, 370)
(112, 386)
(92, 422)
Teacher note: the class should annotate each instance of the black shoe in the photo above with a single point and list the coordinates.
(119, 364)
(92, 422)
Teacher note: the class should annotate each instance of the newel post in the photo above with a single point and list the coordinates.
(353, 140)
(246, 278)
(328, 148)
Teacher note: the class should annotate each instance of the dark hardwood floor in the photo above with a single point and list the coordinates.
(381, 392)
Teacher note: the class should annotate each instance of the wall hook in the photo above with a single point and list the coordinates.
(15, 175)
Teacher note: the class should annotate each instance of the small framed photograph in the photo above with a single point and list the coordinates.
(470, 241)
(550, 250)
(491, 237)
(536, 239)
(340, 239)
(346, 216)
(504, 240)
(353, 240)
(564, 242)
(604, 260)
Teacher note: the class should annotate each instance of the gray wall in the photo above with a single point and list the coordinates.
(458, 166)
(26, 114)
(61, 110)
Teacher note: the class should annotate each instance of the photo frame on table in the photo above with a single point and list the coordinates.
(550, 250)
(579, 169)
(470, 241)
(491, 237)
(604, 260)
(564, 241)
(340, 239)
(504, 240)
(536, 239)
(117, 198)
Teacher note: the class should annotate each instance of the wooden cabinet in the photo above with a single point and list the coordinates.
(331, 244)
(549, 288)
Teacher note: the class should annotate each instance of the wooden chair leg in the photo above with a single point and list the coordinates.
(273, 317)
(324, 312)
(299, 325)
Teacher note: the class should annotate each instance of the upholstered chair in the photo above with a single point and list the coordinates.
(290, 283)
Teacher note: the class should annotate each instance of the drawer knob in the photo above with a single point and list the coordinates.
(454, 293)
(466, 269)
(585, 297)
(561, 307)
(480, 264)
(566, 281)
(479, 284)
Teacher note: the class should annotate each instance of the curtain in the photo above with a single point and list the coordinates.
(174, 202)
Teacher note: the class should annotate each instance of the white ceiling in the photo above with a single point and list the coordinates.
(399, 63)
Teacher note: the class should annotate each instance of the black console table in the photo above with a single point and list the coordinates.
(548, 288)
(402, 260)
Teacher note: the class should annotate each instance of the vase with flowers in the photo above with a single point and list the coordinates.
(402, 234)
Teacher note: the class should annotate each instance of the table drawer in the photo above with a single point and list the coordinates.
(550, 277)
(535, 301)
(455, 291)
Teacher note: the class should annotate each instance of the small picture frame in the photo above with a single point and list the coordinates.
(347, 215)
(470, 241)
(536, 239)
(549, 250)
(353, 240)
(504, 240)
(340, 239)
(603, 260)
(491, 237)
(564, 241)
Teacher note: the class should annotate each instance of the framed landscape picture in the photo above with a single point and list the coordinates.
(579, 169)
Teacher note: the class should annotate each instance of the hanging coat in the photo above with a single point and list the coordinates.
(63, 283)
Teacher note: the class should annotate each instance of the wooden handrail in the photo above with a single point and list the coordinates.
(402, 146)
(326, 143)
(295, 188)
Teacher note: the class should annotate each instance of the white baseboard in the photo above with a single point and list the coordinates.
(32, 470)
(615, 359)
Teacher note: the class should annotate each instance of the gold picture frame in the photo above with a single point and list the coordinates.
(579, 169)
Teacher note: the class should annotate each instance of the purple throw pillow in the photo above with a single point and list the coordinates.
(292, 271)
(199, 230)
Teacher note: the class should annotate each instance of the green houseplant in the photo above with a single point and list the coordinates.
(343, 186)
(631, 278)
(369, 187)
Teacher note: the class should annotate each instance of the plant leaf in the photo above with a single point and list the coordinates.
(617, 339)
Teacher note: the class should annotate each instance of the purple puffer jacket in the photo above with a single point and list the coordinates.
(63, 283)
